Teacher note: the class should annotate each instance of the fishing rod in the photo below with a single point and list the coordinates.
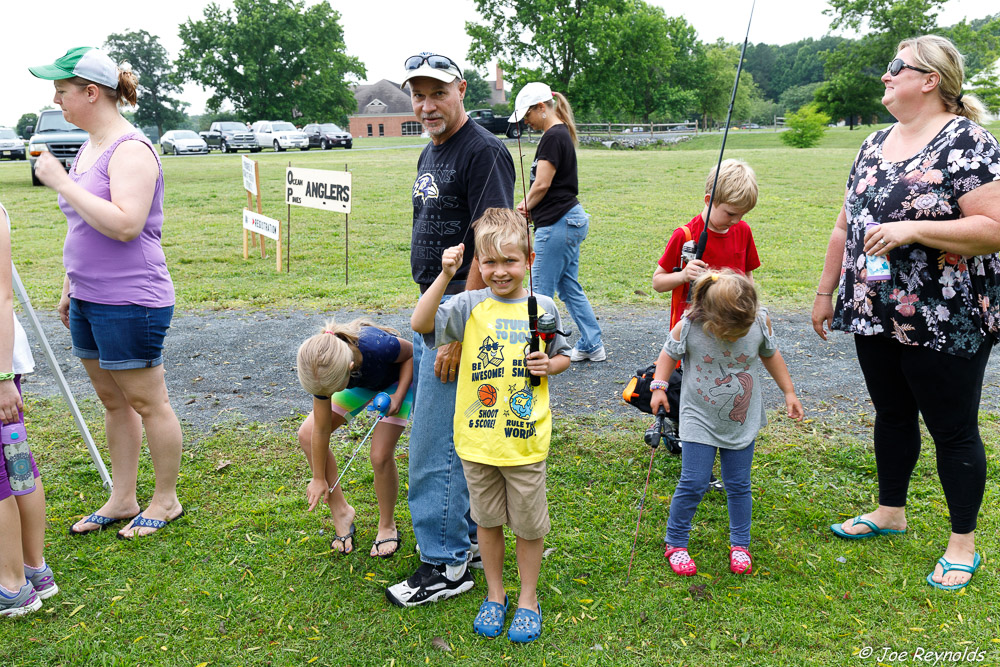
(533, 346)
(379, 404)
(703, 239)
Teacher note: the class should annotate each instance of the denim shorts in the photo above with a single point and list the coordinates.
(119, 337)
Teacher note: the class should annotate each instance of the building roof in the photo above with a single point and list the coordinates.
(382, 97)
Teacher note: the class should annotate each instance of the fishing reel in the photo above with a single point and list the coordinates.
(547, 328)
(663, 430)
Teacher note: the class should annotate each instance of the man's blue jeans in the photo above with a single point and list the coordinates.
(696, 470)
(557, 269)
(438, 497)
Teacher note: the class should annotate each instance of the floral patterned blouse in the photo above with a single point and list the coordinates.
(937, 299)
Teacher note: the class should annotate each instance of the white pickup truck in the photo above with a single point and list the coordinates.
(279, 134)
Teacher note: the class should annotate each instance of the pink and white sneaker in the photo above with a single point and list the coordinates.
(680, 561)
(740, 561)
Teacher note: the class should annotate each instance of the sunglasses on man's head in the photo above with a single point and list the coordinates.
(897, 66)
(434, 60)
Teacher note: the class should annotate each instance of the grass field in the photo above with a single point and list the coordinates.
(635, 199)
(247, 577)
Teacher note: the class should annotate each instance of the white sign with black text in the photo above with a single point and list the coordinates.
(318, 188)
(255, 222)
(249, 175)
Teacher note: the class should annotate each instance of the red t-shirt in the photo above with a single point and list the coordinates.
(733, 250)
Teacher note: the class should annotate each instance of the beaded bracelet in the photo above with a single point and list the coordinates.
(6, 376)
(657, 384)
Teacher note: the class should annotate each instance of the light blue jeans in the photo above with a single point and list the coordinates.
(438, 497)
(696, 470)
(557, 269)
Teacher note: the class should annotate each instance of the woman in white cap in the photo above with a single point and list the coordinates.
(117, 298)
(560, 222)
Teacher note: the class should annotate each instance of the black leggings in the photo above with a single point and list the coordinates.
(904, 380)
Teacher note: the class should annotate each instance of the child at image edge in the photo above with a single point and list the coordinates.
(502, 423)
(344, 367)
(722, 340)
(730, 242)
(25, 579)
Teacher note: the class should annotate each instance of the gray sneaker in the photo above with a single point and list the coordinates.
(26, 602)
(44, 582)
(475, 559)
(600, 354)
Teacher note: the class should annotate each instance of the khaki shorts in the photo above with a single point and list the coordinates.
(512, 495)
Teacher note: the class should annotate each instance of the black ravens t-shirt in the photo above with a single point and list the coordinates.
(556, 146)
(456, 181)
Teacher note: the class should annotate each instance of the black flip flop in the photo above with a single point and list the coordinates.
(343, 541)
(398, 540)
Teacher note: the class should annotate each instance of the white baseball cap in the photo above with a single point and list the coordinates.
(431, 65)
(529, 96)
(85, 62)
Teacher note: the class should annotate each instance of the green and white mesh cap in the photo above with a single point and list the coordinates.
(85, 62)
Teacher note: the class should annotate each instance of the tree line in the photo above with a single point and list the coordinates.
(617, 60)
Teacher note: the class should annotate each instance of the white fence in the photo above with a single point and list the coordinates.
(648, 129)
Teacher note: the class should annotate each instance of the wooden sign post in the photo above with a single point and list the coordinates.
(251, 183)
(264, 226)
(322, 189)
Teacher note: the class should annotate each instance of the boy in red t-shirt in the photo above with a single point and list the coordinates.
(730, 241)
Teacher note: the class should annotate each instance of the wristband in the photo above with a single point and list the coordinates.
(824, 293)
(657, 384)
(6, 376)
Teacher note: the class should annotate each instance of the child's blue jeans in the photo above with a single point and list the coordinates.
(696, 471)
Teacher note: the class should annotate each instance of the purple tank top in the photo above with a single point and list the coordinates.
(103, 270)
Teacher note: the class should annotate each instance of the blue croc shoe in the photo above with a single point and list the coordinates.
(874, 531)
(490, 619)
(526, 626)
(947, 566)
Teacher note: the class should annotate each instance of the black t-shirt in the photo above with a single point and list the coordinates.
(456, 181)
(556, 146)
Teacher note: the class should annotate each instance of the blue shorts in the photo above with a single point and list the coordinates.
(120, 337)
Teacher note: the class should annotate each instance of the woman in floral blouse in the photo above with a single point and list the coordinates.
(924, 194)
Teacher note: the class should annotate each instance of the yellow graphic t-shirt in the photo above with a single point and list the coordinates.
(500, 419)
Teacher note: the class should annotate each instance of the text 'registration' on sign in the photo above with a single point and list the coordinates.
(318, 188)
(249, 175)
(255, 222)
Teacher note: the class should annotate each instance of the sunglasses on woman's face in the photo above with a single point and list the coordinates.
(434, 60)
(897, 66)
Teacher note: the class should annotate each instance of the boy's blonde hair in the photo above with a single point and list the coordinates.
(737, 185)
(938, 54)
(324, 360)
(725, 302)
(497, 226)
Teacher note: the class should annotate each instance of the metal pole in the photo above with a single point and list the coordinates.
(22, 296)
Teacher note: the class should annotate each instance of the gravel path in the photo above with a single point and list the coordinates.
(239, 366)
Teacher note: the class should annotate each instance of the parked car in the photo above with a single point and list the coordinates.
(497, 124)
(327, 135)
(11, 145)
(279, 134)
(54, 134)
(182, 142)
(230, 136)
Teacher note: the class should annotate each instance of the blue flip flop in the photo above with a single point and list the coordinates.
(948, 566)
(526, 626)
(139, 521)
(100, 520)
(838, 530)
(490, 619)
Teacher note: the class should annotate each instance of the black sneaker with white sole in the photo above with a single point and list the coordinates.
(430, 583)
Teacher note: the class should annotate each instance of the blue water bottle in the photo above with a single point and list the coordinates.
(17, 458)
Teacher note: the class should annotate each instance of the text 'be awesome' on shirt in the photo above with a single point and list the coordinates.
(500, 419)
(456, 181)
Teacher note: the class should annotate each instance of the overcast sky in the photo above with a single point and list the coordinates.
(382, 33)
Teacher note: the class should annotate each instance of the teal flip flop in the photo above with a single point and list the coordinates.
(948, 566)
(838, 530)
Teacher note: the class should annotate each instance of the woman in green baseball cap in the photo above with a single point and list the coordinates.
(118, 297)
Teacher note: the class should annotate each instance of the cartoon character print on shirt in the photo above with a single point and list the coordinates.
(425, 188)
(491, 366)
(732, 389)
